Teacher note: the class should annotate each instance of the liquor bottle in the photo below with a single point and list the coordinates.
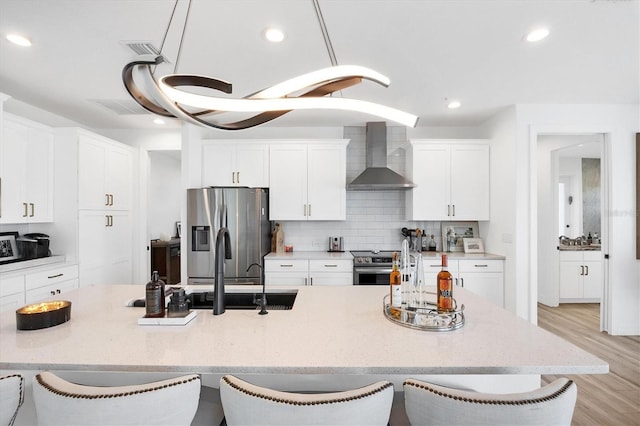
(445, 288)
(396, 289)
(432, 244)
(154, 297)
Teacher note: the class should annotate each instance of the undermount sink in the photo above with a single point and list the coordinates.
(276, 301)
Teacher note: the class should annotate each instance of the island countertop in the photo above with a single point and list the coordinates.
(330, 330)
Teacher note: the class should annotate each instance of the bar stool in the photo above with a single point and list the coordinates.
(247, 404)
(429, 404)
(11, 397)
(166, 402)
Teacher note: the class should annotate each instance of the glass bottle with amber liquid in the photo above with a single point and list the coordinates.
(395, 287)
(445, 288)
(154, 297)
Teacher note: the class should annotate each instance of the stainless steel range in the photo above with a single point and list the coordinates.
(372, 267)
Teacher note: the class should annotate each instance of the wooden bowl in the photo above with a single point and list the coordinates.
(43, 315)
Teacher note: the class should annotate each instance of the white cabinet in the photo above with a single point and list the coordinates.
(104, 173)
(96, 191)
(308, 181)
(33, 285)
(484, 277)
(26, 172)
(452, 181)
(50, 283)
(105, 247)
(580, 276)
(308, 272)
(235, 163)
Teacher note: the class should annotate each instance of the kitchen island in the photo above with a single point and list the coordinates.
(334, 337)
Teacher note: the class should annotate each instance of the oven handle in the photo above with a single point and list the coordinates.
(371, 270)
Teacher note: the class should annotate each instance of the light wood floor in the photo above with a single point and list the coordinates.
(603, 399)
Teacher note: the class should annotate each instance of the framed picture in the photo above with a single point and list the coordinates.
(473, 245)
(179, 229)
(8, 246)
(454, 233)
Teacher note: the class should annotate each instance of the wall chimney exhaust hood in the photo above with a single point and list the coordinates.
(377, 176)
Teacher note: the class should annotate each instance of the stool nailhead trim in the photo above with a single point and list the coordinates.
(554, 395)
(21, 390)
(305, 403)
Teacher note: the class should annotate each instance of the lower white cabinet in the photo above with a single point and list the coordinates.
(580, 276)
(33, 285)
(308, 272)
(484, 277)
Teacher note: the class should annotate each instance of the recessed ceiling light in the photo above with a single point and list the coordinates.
(537, 34)
(274, 35)
(19, 40)
(454, 104)
(158, 121)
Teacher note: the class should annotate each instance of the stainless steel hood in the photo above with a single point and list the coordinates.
(377, 176)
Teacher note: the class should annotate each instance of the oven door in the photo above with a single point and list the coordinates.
(371, 276)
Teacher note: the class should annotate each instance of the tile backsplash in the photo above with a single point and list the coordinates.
(374, 218)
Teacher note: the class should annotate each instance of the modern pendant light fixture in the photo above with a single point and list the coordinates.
(165, 95)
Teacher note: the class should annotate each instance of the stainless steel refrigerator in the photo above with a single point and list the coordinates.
(244, 212)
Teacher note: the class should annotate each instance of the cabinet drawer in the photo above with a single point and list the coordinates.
(279, 265)
(571, 255)
(50, 276)
(480, 265)
(11, 285)
(50, 291)
(11, 302)
(329, 265)
(433, 265)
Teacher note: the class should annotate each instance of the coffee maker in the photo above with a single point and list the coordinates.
(336, 244)
(33, 246)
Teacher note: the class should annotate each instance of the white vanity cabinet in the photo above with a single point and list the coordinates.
(580, 276)
(26, 171)
(310, 268)
(484, 277)
(32, 285)
(452, 180)
(235, 163)
(308, 180)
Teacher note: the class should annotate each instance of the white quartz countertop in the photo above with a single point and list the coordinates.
(330, 330)
(309, 255)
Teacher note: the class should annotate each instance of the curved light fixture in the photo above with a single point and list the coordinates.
(269, 103)
(167, 98)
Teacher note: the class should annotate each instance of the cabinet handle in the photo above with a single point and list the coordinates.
(448, 209)
(286, 266)
(454, 209)
(237, 177)
(55, 276)
(305, 210)
(106, 199)
(330, 266)
(481, 266)
(462, 282)
(581, 269)
(309, 210)
(305, 281)
(456, 281)
(26, 209)
(587, 268)
(233, 177)
(311, 281)
(110, 199)
(53, 293)
(33, 209)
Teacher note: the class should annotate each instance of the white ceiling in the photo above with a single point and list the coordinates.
(471, 50)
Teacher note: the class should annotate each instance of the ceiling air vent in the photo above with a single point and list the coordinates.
(142, 47)
(120, 106)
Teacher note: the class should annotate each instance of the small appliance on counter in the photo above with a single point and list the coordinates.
(336, 244)
(33, 246)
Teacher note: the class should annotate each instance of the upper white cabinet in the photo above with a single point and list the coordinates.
(308, 180)
(26, 171)
(235, 163)
(104, 172)
(452, 179)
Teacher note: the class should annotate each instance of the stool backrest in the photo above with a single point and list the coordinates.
(429, 404)
(11, 397)
(59, 402)
(248, 404)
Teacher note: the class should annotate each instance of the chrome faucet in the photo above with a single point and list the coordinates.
(218, 285)
(263, 301)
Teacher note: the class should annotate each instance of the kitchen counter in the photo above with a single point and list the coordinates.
(310, 255)
(329, 331)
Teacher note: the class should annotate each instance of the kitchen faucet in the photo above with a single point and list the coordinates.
(263, 301)
(218, 285)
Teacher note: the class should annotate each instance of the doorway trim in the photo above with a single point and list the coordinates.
(542, 130)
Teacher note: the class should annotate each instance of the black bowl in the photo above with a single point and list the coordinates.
(43, 315)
